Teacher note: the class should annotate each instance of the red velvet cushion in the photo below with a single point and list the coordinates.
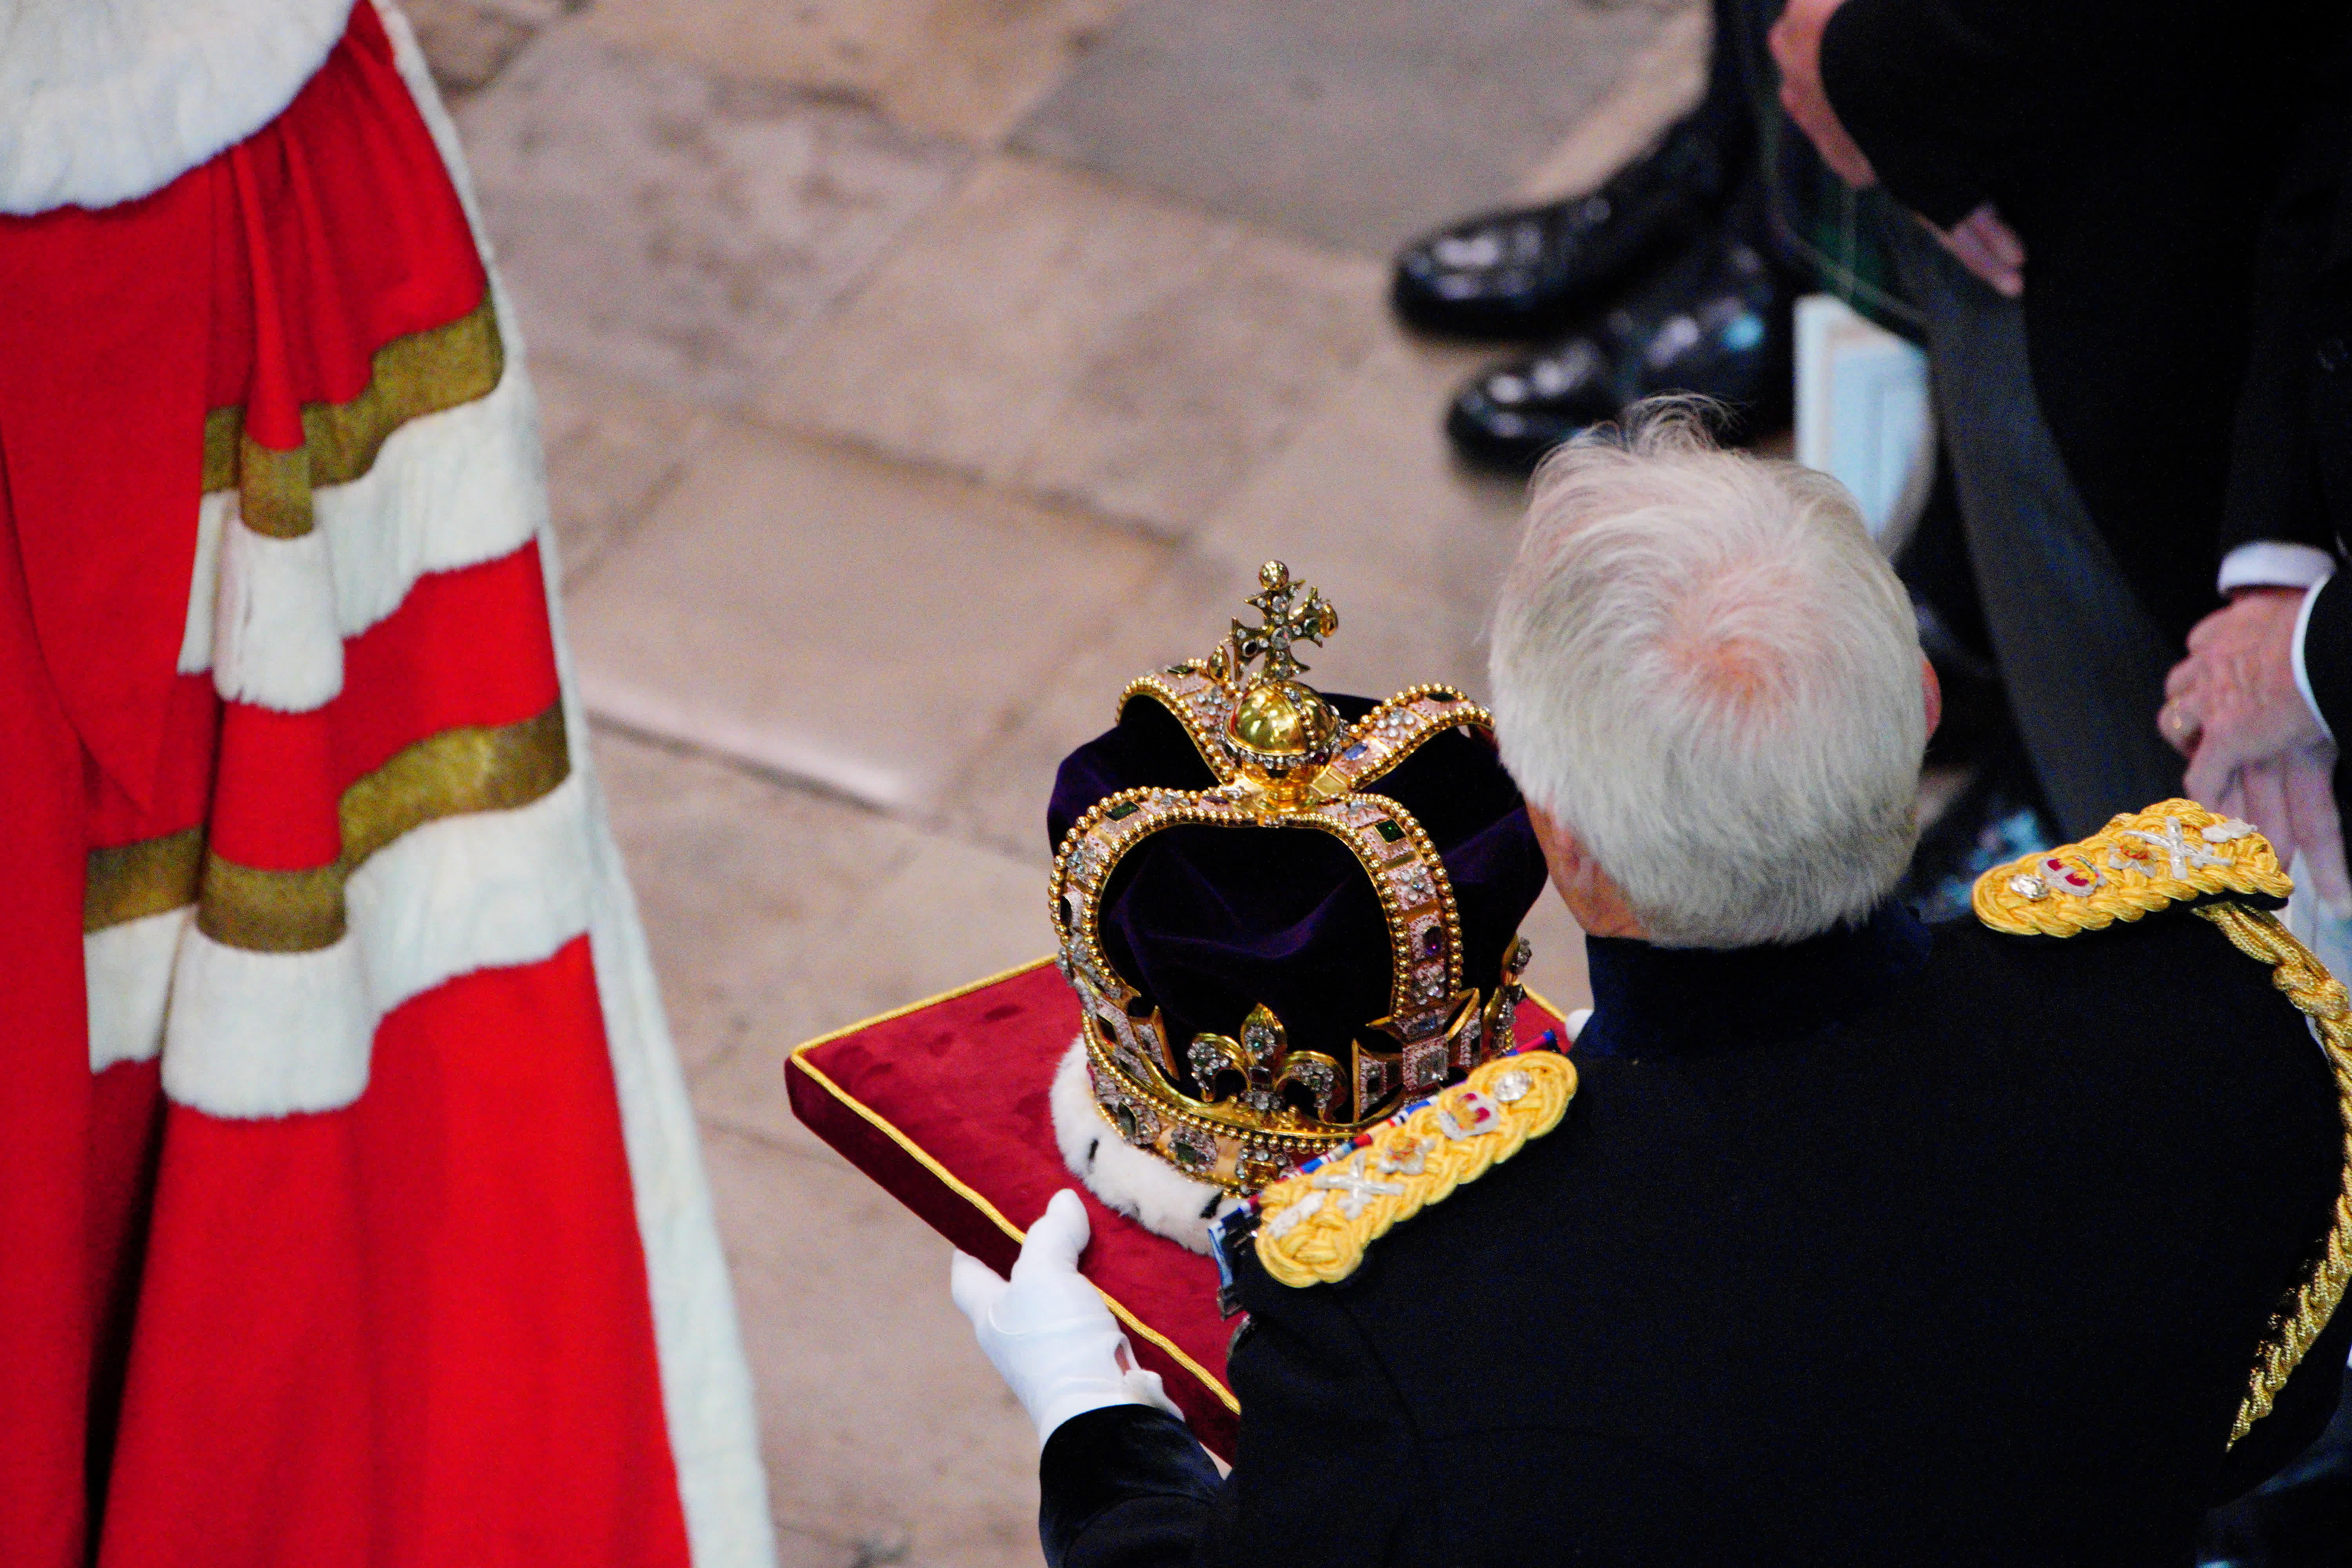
(945, 1104)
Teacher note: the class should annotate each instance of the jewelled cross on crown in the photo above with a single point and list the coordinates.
(1282, 626)
(1279, 730)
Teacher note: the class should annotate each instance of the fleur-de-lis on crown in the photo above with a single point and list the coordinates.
(1265, 1066)
(1285, 619)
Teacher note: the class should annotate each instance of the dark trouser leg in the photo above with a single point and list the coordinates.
(2084, 663)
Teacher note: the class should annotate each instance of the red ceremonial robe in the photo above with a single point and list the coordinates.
(330, 1235)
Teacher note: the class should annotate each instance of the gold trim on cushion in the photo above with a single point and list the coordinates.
(955, 1184)
(410, 377)
(133, 881)
(799, 1058)
(469, 768)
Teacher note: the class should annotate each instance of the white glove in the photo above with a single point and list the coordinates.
(1047, 1331)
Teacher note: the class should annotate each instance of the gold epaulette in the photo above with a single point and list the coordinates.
(2175, 852)
(2178, 853)
(1314, 1226)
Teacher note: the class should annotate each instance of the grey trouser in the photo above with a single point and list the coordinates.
(2084, 664)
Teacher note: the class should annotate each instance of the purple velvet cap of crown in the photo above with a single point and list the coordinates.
(1209, 922)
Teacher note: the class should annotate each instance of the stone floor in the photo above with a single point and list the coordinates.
(915, 373)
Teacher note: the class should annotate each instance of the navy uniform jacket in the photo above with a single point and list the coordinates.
(1891, 1246)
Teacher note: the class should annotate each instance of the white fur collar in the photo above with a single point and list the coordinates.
(1144, 1187)
(102, 101)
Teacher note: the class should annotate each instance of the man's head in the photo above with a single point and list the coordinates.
(1708, 686)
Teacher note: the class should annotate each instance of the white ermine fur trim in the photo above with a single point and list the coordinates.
(271, 1034)
(213, 513)
(451, 490)
(275, 640)
(108, 99)
(714, 1434)
(1142, 1187)
(447, 489)
(480, 890)
(128, 968)
(267, 1034)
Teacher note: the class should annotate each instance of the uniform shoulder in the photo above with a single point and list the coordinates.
(1314, 1226)
(2174, 855)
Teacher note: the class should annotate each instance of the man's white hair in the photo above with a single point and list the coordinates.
(1706, 670)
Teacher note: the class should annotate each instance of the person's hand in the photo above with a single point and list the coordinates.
(1796, 40)
(2292, 799)
(1047, 1331)
(1987, 248)
(2233, 700)
(2255, 750)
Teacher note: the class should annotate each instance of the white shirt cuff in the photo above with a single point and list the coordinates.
(2302, 624)
(2274, 564)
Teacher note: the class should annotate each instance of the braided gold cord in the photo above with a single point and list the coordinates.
(2139, 863)
(1317, 1226)
(2322, 998)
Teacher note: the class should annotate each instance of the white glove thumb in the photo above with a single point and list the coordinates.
(1047, 1331)
(1145, 1388)
(974, 1287)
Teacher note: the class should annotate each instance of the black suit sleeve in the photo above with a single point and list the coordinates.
(1322, 1473)
(2327, 655)
(1125, 1484)
(1941, 93)
(2274, 489)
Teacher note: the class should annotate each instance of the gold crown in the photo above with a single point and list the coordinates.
(1239, 1110)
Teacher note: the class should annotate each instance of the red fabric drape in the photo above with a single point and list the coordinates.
(264, 279)
(410, 1332)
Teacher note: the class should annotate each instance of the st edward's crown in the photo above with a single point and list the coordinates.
(1236, 1104)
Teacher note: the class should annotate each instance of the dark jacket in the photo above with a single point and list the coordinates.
(1879, 1248)
(2291, 457)
(2290, 451)
(2134, 149)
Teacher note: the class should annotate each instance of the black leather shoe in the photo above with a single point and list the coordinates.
(1525, 272)
(1716, 322)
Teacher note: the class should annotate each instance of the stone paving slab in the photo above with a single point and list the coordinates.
(676, 230)
(775, 914)
(465, 44)
(966, 69)
(1369, 504)
(888, 1437)
(1048, 331)
(612, 454)
(1181, 613)
(949, 914)
(837, 619)
(1661, 82)
(1354, 123)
